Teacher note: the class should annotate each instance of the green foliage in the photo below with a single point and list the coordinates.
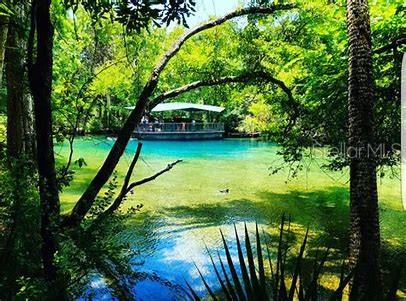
(93, 248)
(308, 51)
(98, 247)
(100, 69)
(80, 162)
(21, 270)
(136, 15)
(5, 10)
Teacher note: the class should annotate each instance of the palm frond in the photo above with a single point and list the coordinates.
(250, 281)
(234, 274)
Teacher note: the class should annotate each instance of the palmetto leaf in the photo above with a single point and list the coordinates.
(192, 291)
(206, 284)
(227, 279)
(234, 275)
(261, 269)
(251, 265)
(223, 287)
(297, 268)
(244, 271)
(252, 283)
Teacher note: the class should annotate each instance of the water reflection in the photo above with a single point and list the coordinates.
(167, 256)
(176, 254)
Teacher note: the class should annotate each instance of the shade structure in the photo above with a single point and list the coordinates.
(191, 107)
(183, 106)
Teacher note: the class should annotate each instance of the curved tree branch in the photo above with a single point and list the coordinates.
(391, 46)
(242, 78)
(153, 177)
(238, 13)
(87, 199)
(124, 189)
(247, 78)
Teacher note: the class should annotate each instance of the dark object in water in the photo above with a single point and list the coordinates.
(225, 190)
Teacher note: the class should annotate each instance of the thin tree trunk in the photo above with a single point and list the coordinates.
(364, 214)
(3, 38)
(107, 111)
(40, 78)
(19, 102)
(28, 124)
(17, 122)
(14, 59)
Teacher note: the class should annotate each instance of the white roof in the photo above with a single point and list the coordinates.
(171, 106)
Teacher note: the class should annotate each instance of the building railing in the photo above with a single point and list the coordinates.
(181, 127)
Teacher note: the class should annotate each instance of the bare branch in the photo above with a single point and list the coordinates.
(71, 140)
(393, 45)
(127, 187)
(243, 78)
(151, 178)
(124, 189)
(86, 201)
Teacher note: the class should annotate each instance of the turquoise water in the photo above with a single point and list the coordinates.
(226, 148)
(184, 208)
(169, 248)
(205, 149)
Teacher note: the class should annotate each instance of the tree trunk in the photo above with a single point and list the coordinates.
(14, 59)
(40, 78)
(19, 148)
(28, 124)
(108, 111)
(364, 214)
(3, 38)
(20, 140)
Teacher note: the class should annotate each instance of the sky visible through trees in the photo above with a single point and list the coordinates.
(209, 8)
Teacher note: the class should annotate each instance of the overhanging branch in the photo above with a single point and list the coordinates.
(153, 177)
(238, 13)
(391, 46)
(247, 77)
